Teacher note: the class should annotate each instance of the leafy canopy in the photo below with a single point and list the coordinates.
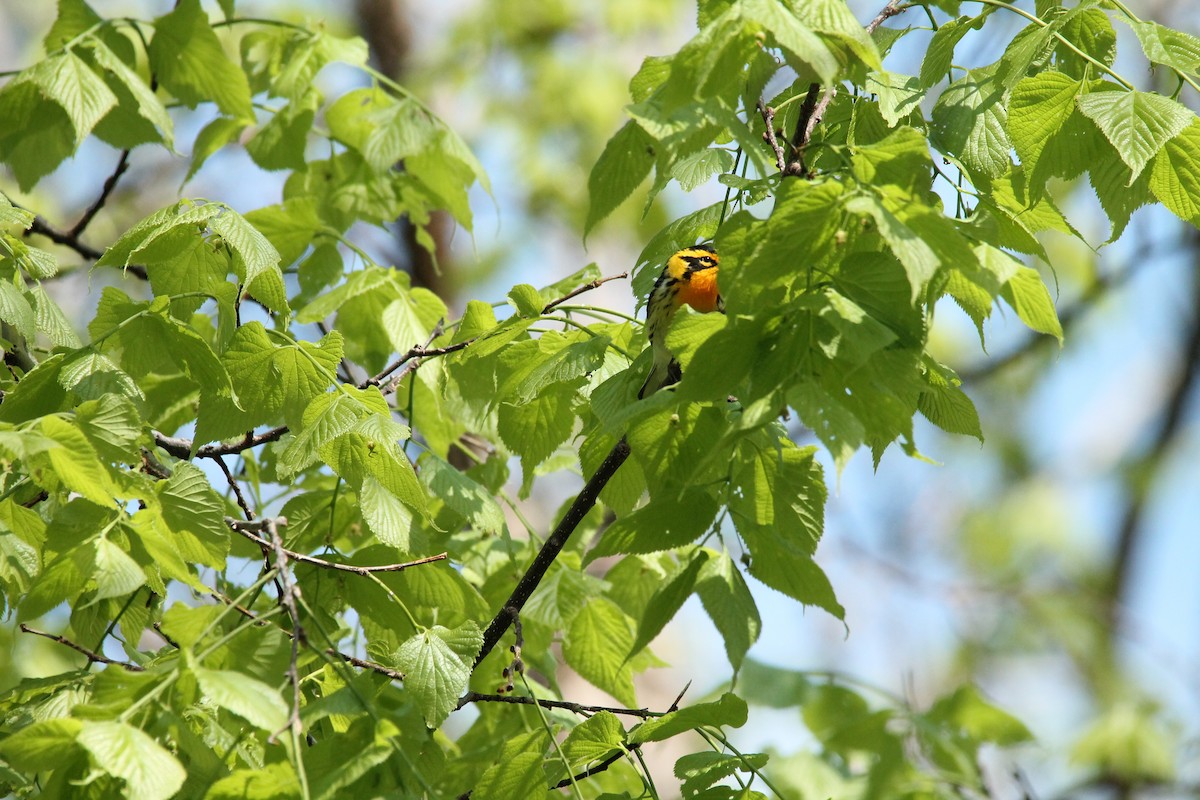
(857, 199)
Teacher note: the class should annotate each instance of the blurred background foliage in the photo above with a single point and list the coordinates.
(1055, 567)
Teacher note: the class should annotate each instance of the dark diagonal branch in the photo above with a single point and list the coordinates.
(587, 287)
(92, 656)
(552, 547)
(105, 192)
(182, 448)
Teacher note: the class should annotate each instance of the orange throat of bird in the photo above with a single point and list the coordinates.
(700, 290)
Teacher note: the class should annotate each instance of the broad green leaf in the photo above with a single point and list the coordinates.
(42, 746)
(69, 81)
(623, 165)
(593, 740)
(116, 574)
(535, 429)
(1038, 110)
(1137, 123)
(1162, 45)
(195, 515)
(212, 137)
(667, 600)
(1027, 294)
(189, 61)
(729, 604)
(258, 256)
(798, 41)
(149, 770)
(51, 320)
(75, 463)
(250, 699)
(696, 169)
(327, 417)
(666, 522)
(36, 135)
(701, 770)
(267, 782)
(1175, 179)
(969, 121)
(437, 667)
(946, 405)
(516, 777)
(149, 107)
(412, 317)
(728, 710)
(596, 646)
(389, 519)
(111, 423)
(280, 144)
(919, 259)
(16, 310)
(967, 710)
(940, 53)
(899, 95)
(462, 494)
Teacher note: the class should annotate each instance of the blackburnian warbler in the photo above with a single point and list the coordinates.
(689, 278)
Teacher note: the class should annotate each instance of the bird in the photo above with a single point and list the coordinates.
(689, 278)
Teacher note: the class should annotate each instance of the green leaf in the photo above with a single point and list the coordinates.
(52, 321)
(258, 257)
(729, 604)
(696, 169)
(899, 95)
(149, 107)
(1175, 179)
(728, 710)
(593, 740)
(946, 405)
(1171, 48)
(189, 61)
(623, 165)
(267, 782)
(534, 430)
(969, 121)
(69, 81)
(195, 515)
(701, 770)
(799, 43)
(36, 135)
(1137, 123)
(149, 770)
(390, 520)
(280, 144)
(526, 300)
(1027, 294)
(116, 574)
(437, 667)
(75, 463)
(16, 310)
(516, 776)
(913, 251)
(212, 137)
(43, 745)
(666, 522)
(940, 53)
(1038, 111)
(462, 494)
(596, 646)
(250, 699)
(667, 600)
(967, 710)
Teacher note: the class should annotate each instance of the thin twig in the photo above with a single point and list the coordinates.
(245, 529)
(94, 208)
(237, 490)
(587, 287)
(287, 598)
(576, 708)
(92, 657)
(768, 117)
(552, 547)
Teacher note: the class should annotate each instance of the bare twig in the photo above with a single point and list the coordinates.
(768, 117)
(246, 529)
(182, 448)
(576, 708)
(92, 656)
(287, 598)
(552, 547)
(237, 490)
(395, 675)
(105, 192)
(587, 287)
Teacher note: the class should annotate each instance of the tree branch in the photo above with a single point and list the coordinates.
(577, 708)
(587, 287)
(105, 192)
(552, 547)
(92, 657)
(246, 529)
